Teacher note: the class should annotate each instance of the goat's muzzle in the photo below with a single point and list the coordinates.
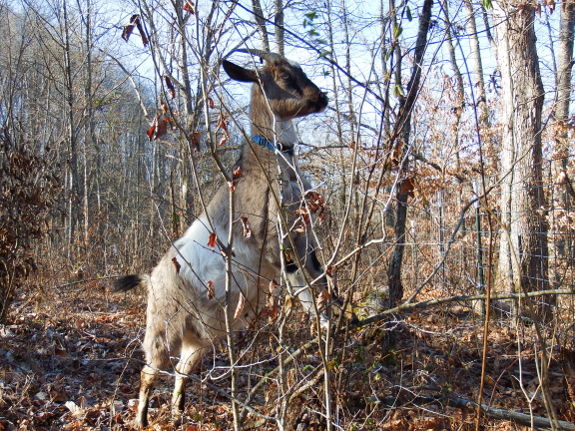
(319, 102)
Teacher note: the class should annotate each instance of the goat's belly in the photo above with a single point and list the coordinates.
(201, 268)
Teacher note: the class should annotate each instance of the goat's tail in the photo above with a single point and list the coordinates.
(129, 282)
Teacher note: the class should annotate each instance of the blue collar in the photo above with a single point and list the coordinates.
(263, 142)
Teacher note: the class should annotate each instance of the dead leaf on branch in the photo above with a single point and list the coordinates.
(189, 7)
(176, 265)
(164, 107)
(196, 139)
(158, 128)
(211, 291)
(240, 306)
(323, 299)
(212, 240)
(246, 226)
(272, 307)
(145, 40)
(304, 217)
(237, 173)
(127, 32)
(222, 123)
(170, 86)
(135, 22)
(330, 271)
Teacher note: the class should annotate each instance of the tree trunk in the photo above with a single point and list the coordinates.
(452, 56)
(565, 61)
(523, 262)
(279, 24)
(561, 115)
(261, 22)
(403, 188)
(189, 125)
(89, 126)
(72, 136)
(476, 65)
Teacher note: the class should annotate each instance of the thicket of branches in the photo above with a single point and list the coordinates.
(30, 186)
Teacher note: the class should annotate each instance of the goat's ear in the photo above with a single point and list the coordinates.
(238, 73)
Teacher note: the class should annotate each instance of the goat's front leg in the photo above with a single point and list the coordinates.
(303, 290)
(329, 304)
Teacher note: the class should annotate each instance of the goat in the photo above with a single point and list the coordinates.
(187, 289)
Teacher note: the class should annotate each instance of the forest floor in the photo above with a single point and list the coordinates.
(70, 360)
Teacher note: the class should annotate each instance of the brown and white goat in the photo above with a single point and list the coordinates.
(187, 289)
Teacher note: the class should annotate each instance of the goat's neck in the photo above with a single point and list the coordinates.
(285, 132)
(277, 130)
(269, 125)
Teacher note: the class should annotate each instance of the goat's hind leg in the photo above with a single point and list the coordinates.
(157, 359)
(148, 377)
(191, 355)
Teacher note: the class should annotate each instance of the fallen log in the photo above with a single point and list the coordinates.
(463, 403)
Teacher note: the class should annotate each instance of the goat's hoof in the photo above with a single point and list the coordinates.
(138, 424)
(178, 419)
(177, 414)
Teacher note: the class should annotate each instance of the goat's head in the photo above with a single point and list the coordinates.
(288, 90)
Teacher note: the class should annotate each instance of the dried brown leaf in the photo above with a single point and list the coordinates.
(323, 299)
(176, 264)
(189, 6)
(212, 240)
(246, 226)
(196, 139)
(138, 23)
(237, 173)
(240, 306)
(127, 32)
(170, 86)
(210, 288)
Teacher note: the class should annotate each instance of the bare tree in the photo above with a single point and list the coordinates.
(561, 116)
(476, 63)
(564, 60)
(261, 22)
(403, 128)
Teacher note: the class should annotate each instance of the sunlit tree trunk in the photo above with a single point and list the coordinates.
(72, 135)
(89, 126)
(451, 50)
(459, 105)
(561, 115)
(261, 22)
(523, 261)
(564, 60)
(476, 65)
(279, 27)
(190, 120)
